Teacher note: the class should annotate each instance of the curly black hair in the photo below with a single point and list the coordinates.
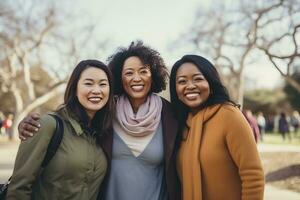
(148, 56)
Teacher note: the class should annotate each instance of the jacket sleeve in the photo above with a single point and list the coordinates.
(243, 150)
(29, 159)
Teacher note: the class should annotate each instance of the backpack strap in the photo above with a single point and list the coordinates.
(55, 140)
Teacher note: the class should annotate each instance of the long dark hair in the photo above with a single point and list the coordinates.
(218, 92)
(102, 121)
(148, 56)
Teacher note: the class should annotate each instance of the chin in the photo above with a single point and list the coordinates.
(193, 105)
(138, 96)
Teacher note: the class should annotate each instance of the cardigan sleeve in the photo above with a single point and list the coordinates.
(243, 150)
(29, 159)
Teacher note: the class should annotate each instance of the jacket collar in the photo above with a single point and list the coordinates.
(73, 122)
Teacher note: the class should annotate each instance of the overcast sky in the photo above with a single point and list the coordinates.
(158, 23)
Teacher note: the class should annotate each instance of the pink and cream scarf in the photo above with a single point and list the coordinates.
(137, 129)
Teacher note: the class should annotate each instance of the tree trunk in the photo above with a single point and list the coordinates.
(20, 114)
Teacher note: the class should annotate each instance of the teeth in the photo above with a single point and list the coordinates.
(95, 99)
(191, 95)
(137, 87)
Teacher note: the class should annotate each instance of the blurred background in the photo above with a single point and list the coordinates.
(253, 43)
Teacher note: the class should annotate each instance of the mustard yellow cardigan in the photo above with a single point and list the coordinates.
(225, 153)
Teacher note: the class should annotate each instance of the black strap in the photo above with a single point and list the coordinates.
(55, 140)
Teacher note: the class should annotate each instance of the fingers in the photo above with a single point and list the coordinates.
(22, 138)
(31, 124)
(26, 130)
(34, 116)
(28, 126)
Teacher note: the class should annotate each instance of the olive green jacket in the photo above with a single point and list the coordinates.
(75, 172)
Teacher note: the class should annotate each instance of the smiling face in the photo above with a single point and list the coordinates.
(136, 80)
(191, 86)
(93, 90)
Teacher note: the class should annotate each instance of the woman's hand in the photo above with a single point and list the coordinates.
(29, 126)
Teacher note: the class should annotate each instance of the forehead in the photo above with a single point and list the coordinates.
(93, 73)
(188, 69)
(133, 62)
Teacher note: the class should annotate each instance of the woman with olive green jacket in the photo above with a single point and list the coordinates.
(78, 167)
(75, 172)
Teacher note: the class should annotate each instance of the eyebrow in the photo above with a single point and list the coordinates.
(193, 75)
(90, 79)
(142, 67)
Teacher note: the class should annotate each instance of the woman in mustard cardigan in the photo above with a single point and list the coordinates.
(218, 157)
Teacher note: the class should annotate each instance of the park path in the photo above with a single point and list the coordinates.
(271, 192)
(8, 151)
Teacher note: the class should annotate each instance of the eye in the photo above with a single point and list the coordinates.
(103, 84)
(88, 83)
(181, 81)
(143, 71)
(128, 73)
(199, 78)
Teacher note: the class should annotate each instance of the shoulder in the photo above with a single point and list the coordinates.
(166, 104)
(167, 108)
(230, 109)
(48, 123)
(229, 112)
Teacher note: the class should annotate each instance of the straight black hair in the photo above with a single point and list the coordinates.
(102, 121)
(218, 92)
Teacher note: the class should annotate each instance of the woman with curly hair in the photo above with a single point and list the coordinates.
(142, 156)
(141, 151)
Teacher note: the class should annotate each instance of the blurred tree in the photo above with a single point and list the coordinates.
(268, 101)
(281, 26)
(292, 94)
(38, 51)
(233, 35)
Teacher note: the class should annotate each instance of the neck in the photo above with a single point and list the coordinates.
(136, 103)
(90, 117)
(194, 111)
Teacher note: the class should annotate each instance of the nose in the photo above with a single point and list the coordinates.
(190, 85)
(96, 89)
(136, 77)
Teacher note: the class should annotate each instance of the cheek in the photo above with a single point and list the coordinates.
(107, 92)
(180, 96)
(149, 83)
(178, 91)
(125, 81)
(81, 91)
(208, 89)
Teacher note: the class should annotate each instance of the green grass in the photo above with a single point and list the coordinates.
(275, 138)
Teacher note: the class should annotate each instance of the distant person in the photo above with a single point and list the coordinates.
(217, 157)
(270, 123)
(2, 117)
(295, 121)
(253, 124)
(78, 168)
(261, 122)
(283, 126)
(7, 125)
